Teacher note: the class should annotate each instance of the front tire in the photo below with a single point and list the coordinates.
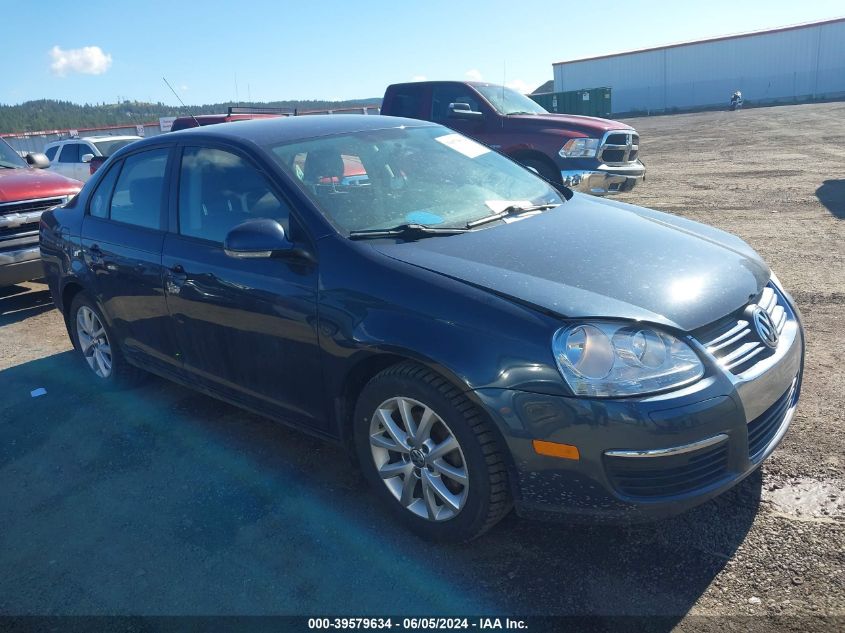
(93, 339)
(542, 169)
(430, 455)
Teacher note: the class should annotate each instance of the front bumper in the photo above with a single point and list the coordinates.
(645, 458)
(23, 264)
(604, 179)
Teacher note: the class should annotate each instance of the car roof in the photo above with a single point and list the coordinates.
(284, 129)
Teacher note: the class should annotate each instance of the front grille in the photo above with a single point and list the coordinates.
(668, 475)
(619, 148)
(21, 229)
(762, 429)
(26, 206)
(734, 342)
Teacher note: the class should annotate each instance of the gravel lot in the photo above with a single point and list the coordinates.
(162, 501)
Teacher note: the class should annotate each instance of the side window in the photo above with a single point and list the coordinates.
(138, 193)
(99, 205)
(51, 153)
(219, 190)
(407, 104)
(443, 95)
(70, 153)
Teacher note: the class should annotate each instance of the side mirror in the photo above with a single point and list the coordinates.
(37, 160)
(257, 239)
(464, 111)
(86, 158)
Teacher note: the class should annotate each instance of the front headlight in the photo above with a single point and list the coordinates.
(609, 360)
(579, 148)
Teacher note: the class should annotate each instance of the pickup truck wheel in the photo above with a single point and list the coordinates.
(543, 169)
(93, 339)
(430, 454)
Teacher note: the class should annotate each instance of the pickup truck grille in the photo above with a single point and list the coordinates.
(619, 147)
(734, 341)
(19, 220)
(26, 206)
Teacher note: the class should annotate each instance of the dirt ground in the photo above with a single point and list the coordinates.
(163, 501)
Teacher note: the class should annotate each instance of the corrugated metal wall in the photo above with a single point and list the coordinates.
(789, 65)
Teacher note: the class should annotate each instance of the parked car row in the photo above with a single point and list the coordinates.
(479, 337)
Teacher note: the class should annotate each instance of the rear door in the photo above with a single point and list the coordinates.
(246, 328)
(122, 238)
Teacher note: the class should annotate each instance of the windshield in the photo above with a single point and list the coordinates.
(8, 157)
(508, 101)
(107, 148)
(429, 176)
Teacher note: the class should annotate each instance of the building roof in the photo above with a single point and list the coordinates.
(719, 38)
(549, 86)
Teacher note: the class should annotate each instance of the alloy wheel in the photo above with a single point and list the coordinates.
(93, 342)
(419, 459)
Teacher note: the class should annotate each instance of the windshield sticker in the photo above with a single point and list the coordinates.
(497, 206)
(461, 144)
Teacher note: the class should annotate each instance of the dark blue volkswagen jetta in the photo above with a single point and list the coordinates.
(479, 338)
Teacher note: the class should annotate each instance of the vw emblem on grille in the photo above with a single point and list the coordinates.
(766, 329)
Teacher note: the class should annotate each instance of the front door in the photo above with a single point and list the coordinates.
(122, 238)
(246, 328)
(446, 93)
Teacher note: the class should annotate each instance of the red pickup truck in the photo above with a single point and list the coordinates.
(588, 154)
(26, 191)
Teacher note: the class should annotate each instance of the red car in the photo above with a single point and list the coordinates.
(26, 191)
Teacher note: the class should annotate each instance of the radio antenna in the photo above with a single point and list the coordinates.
(164, 79)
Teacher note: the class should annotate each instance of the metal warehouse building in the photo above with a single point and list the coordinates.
(794, 63)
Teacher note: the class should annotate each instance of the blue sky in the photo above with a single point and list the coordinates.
(100, 50)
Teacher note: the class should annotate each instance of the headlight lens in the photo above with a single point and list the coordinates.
(580, 148)
(615, 359)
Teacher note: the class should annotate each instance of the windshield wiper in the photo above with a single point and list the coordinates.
(514, 209)
(407, 231)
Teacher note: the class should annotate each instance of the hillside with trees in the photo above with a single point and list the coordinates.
(47, 114)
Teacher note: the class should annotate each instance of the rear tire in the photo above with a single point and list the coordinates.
(97, 347)
(446, 479)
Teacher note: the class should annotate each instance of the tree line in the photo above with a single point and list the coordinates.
(49, 114)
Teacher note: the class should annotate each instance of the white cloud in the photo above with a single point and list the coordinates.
(418, 78)
(520, 86)
(473, 75)
(88, 60)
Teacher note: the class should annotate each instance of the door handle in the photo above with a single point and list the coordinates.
(175, 277)
(95, 253)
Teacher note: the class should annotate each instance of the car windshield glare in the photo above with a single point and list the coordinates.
(9, 157)
(509, 101)
(428, 176)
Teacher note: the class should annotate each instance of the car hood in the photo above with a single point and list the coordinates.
(569, 122)
(598, 258)
(27, 183)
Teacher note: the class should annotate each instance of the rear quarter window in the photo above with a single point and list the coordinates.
(406, 102)
(51, 152)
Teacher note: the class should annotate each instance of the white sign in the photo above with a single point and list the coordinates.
(166, 123)
(139, 130)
